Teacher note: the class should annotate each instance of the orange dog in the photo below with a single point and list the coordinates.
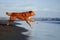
(26, 16)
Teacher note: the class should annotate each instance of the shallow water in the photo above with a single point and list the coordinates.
(41, 31)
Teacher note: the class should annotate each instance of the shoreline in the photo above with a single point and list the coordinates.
(12, 32)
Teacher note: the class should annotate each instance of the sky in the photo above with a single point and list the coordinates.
(42, 8)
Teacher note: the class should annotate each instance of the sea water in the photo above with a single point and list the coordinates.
(42, 31)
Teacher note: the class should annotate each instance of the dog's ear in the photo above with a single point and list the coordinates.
(31, 13)
(6, 12)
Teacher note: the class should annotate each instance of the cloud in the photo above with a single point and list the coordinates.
(25, 8)
(50, 10)
(45, 9)
(31, 8)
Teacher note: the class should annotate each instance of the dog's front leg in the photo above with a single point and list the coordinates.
(28, 24)
(32, 20)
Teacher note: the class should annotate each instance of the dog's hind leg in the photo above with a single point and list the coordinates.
(11, 20)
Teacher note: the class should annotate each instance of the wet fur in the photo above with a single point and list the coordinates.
(26, 16)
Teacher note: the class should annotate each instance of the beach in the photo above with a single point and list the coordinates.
(21, 31)
(12, 32)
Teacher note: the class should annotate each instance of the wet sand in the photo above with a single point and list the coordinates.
(12, 32)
